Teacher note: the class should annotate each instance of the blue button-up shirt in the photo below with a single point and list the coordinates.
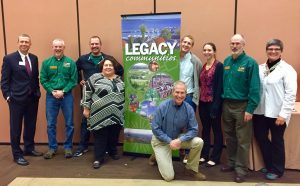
(171, 120)
(187, 72)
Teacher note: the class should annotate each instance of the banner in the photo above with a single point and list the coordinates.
(151, 66)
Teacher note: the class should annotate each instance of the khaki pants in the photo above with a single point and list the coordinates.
(163, 154)
(238, 135)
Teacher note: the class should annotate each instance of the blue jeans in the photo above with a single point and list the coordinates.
(52, 109)
(189, 100)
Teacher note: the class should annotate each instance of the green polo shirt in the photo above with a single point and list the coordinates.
(58, 74)
(241, 80)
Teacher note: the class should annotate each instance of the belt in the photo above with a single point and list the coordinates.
(235, 100)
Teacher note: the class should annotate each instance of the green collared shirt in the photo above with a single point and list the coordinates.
(58, 74)
(241, 80)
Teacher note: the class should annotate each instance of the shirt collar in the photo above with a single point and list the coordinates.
(187, 56)
(58, 59)
(22, 55)
(240, 56)
(175, 105)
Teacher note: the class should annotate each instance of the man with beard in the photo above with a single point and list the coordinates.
(241, 97)
(87, 65)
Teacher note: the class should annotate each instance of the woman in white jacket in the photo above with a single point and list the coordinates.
(278, 94)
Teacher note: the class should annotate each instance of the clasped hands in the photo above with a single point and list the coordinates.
(175, 144)
(58, 94)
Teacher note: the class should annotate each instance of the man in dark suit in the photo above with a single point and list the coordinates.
(20, 88)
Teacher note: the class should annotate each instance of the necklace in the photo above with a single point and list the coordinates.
(269, 70)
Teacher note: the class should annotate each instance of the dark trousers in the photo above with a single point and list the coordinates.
(106, 139)
(189, 100)
(272, 150)
(18, 112)
(84, 135)
(209, 123)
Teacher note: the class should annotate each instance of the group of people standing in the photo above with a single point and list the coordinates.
(236, 93)
(102, 99)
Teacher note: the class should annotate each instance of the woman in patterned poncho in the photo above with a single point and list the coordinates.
(103, 102)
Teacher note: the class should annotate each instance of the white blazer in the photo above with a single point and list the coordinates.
(277, 91)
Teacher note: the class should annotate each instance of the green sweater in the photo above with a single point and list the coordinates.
(58, 74)
(241, 80)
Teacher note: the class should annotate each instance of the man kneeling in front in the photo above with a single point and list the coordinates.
(171, 118)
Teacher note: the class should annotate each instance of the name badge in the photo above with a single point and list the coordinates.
(226, 67)
(22, 63)
(53, 67)
(241, 69)
(67, 65)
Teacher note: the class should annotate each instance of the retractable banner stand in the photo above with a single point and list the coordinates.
(151, 63)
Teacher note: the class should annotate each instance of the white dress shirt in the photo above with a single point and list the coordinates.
(23, 59)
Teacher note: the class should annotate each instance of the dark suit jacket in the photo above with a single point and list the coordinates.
(15, 81)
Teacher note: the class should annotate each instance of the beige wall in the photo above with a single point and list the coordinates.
(271, 19)
(206, 20)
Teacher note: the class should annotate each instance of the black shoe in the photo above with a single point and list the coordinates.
(115, 157)
(33, 153)
(226, 168)
(80, 152)
(239, 178)
(21, 161)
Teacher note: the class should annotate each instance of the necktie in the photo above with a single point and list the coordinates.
(27, 65)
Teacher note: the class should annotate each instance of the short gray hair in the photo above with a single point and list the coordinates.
(179, 83)
(275, 42)
(58, 40)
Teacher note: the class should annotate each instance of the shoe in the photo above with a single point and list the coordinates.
(239, 178)
(202, 160)
(210, 164)
(33, 153)
(272, 176)
(152, 160)
(115, 157)
(97, 164)
(264, 170)
(226, 168)
(68, 153)
(197, 175)
(181, 154)
(21, 161)
(50, 154)
(185, 159)
(80, 152)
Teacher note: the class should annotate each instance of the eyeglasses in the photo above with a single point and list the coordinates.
(273, 49)
(235, 43)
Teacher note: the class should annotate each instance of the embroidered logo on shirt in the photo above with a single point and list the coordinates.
(53, 67)
(67, 65)
(241, 69)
